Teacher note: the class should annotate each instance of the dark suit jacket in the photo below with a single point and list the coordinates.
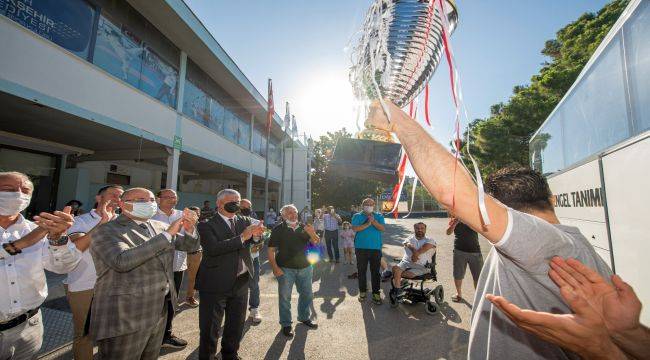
(222, 250)
(134, 273)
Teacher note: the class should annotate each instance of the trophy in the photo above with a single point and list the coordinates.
(397, 52)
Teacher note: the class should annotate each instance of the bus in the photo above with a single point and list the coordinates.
(594, 149)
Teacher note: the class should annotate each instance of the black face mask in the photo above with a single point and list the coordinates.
(245, 211)
(231, 207)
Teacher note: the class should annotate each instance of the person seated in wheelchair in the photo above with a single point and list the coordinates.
(418, 250)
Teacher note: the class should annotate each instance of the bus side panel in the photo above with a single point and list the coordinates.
(627, 177)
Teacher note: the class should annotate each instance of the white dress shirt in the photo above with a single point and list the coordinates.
(227, 220)
(180, 257)
(83, 277)
(22, 276)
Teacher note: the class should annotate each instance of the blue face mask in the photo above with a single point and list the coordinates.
(144, 210)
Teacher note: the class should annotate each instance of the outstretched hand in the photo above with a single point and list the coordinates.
(583, 332)
(616, 303)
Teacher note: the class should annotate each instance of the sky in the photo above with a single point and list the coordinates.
(302, 46)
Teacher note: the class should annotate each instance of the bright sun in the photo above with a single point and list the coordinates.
(325, 103)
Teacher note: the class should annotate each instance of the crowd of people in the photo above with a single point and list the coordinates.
(542, 293)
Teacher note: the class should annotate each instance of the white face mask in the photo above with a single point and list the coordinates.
(144, 210)
(13, 202)
(368, 209)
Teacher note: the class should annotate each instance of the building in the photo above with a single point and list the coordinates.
(594, 149)
(130, 92)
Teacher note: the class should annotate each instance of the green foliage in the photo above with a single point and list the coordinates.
(329, 189)
(502, 138)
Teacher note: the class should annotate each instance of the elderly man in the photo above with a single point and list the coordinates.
(523, 228)
(223, 276)
(167, 213)
(27, 250)
(288, 258)
(368, 226)
(254, 284)
(134, 257)
(418, 250)
(81, 281)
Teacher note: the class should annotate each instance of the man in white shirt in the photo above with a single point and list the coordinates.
(417, 251)
(28, 248)
(80, 283)
(167, 213)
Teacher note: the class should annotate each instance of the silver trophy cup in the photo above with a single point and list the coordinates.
(397, 52)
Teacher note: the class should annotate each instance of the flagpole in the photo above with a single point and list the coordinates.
(293, 127)
(287, 120)
(269, 121)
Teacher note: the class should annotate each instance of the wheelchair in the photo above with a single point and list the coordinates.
(413, 290)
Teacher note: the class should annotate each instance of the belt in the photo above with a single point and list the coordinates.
(18, 320)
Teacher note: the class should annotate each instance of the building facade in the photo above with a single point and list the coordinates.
(130, 92)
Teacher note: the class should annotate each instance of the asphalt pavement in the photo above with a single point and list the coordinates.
(347, 328)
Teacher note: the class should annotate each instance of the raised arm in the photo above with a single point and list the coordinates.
(437, 169)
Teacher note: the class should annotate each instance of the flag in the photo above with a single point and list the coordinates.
(294, 127)
(287, 118)
(269, 119)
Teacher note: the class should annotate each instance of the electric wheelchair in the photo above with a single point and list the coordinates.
(412, 290)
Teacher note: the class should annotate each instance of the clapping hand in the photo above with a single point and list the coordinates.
(175, 227)
(189, 220)
(57, 223)
(253, 230)
(105, 216)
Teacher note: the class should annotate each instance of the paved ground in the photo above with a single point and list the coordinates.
(349, 329)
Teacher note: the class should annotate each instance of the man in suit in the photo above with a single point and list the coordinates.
(133, 256)
(224, 273)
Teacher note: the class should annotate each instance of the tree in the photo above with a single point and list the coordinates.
(502, 138)
(331, 189)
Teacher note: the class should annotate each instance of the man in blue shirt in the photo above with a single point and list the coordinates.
(368, 226)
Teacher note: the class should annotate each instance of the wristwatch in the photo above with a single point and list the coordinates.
(60, 241)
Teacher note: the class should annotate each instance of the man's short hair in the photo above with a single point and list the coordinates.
(163, 190)
(520, 188)
(225, 192)
(17, 174)
(419, 223)
(128, 191)
(289, 206)
(103, 189)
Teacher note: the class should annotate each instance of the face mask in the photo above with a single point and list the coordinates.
(13, 202)
(368, 209)
(245, 211)
(144, 210)
(231, 207)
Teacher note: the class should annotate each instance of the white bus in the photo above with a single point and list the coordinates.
(595, 150)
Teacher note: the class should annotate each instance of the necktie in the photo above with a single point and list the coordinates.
(145, 229)
(240, 264)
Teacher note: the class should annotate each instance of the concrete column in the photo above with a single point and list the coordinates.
(249, 186)
(250, 142)
(172, 169)
(181, 82)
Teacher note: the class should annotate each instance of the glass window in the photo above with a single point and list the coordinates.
(262, 151)
(195, 104)
(637, 46)
(257, 141)
(546, 148)
(68, 24)
(158, 78)
(216, 116)
(595, 114)
(244, 134)
(231, 127)
(118, 52)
